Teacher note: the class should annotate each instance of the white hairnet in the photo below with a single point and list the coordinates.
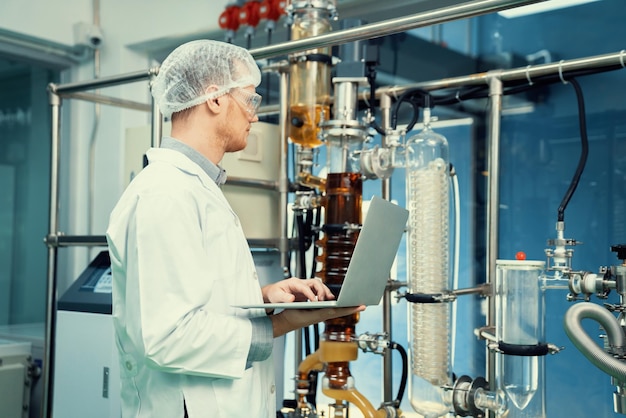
(186, 73)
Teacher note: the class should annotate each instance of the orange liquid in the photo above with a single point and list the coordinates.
(344, 196)
(343, 200)
(331, 351)
(306, 129)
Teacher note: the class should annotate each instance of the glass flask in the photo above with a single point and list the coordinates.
(520, 324)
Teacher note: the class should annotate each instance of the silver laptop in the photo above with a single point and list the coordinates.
(372, 258)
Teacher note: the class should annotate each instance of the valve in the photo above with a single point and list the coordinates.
(229, 20)
(272, 10)
(249, 16)
(376, 343)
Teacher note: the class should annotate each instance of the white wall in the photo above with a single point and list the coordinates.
(131, 21)
(44, 19)
(129, 29)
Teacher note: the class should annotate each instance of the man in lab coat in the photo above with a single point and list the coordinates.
(180, 260)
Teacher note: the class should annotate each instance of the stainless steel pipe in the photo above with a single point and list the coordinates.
(385, 108)
(103, 82)
(106, 100)
(390, 26)
(493, 207)
(51, 289)
(527, 73)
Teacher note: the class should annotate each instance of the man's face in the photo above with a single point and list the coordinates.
(241, 113)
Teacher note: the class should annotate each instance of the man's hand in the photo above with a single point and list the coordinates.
(292, 319)
(296, 290)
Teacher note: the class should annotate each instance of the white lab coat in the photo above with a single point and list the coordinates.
(179, 261)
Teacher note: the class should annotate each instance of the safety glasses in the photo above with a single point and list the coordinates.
(250, 101)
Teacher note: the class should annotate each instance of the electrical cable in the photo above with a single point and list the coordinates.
(584, 151)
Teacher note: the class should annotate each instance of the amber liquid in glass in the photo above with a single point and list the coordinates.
(303, 124)
(344, 196)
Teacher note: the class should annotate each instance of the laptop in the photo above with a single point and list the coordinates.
(372, 258)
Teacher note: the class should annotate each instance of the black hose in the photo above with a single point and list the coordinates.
(424, 297)
(461, 95)
(307, 341)
(308, 230)
(409, 95)
(405, 371)
(514, 86)
(316, 336)
(371, 79)
(301, 246)
(584, 152)
(316, 229)
(481, 92)
(415, 117)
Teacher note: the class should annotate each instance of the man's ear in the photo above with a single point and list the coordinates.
(215, 105)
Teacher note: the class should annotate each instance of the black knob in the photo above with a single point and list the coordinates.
(297, 122)
(620, 249)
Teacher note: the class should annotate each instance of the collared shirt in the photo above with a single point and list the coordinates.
(262, 331)
(217, 173)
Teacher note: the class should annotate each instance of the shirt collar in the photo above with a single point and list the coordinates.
(214, 171)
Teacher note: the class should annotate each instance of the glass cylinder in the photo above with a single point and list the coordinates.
(310, 84)
(428, 180)
(520, 326)
(343, 202)
(341, 155)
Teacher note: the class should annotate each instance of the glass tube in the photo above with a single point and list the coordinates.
(520, 322)
(428, 269)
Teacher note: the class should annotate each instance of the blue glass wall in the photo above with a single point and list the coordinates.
(24, 193)
(539, 154)
(540, 150)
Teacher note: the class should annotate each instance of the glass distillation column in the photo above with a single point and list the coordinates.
(520, 335)
(310, 85)
(338, 345)
(343, 135)
(427, 199)
(343, 219)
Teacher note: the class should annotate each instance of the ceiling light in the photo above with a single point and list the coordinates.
(541, 7)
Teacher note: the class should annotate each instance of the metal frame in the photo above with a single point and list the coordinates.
(74, 90)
